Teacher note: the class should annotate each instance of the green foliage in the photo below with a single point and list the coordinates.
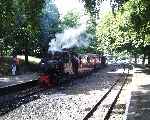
(70, 20)
(7, 22)
(5, 66)
(20, 27)
(18, 20)
(127, 30)
(104, 33)
(91, 9)
(90, 5)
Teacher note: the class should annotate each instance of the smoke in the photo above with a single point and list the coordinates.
(72, 37)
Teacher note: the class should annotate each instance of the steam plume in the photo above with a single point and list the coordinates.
(72, 37)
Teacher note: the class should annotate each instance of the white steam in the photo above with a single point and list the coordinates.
(72, 37)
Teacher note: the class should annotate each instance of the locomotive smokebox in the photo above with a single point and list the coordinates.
(54, 62)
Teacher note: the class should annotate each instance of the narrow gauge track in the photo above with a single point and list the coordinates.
(24, 94)
(14, 100)
(112, 105)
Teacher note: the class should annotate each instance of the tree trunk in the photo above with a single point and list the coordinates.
(1, 57)
(135, 57)
(26, 57)
(143, 61)
(149, 59)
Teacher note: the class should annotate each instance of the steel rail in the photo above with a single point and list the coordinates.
(116, 98)
(104, 97)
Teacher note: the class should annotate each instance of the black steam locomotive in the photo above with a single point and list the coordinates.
(56, 67)
(53, 67)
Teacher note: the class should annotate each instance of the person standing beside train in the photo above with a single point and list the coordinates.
(75, 64)
(13, 65)
(80, 61)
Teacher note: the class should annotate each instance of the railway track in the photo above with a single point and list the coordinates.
(23, 94)
(33, 93)
(99, 106)
(12, 101)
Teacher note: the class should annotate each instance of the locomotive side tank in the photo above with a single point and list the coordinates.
(52, 67)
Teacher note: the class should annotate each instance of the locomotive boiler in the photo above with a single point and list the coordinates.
(52, 67)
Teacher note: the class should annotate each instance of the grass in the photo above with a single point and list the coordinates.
(30, 58)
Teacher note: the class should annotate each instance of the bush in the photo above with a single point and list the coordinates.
(5, 66)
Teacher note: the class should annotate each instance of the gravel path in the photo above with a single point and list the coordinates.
(71, 102)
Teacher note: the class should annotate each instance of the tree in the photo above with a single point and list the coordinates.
(127, 30)
(19, 22)
(70, 20)
(7, 23)
(27, 24)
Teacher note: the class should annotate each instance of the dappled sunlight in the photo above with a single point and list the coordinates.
(117, 71)
(142, 81)
(14, 80)
(58, 58)
(75, 99)
(4, 79)
(139, 107)
(98, 91)
(21, 81)
(30, 58)
(10, 79)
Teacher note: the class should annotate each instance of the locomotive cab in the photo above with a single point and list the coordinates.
(52, 67)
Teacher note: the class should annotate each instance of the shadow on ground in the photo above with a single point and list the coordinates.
(143, 69)
(9, 103)
(140, 104)
(77, 86)
(139, 108)
(119, 108)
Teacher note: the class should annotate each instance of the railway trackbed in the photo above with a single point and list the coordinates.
(103, 108)
(72, 101)
(11, 101)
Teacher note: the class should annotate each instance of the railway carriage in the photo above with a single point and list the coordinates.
(58, 66)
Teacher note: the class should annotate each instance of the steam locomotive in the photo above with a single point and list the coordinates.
(52, 68)
(56, 67)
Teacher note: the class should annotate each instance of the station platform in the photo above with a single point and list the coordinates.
(15, 81)
(139, 105)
